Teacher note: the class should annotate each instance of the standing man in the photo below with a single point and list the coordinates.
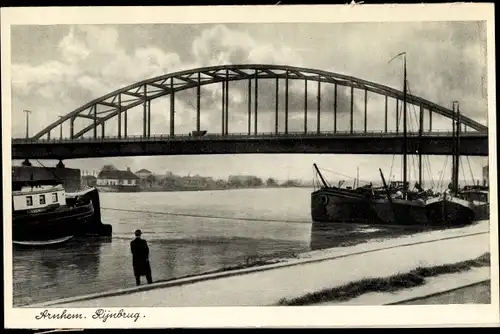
(140, 258)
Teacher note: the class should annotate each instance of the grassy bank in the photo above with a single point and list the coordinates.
(414, 278)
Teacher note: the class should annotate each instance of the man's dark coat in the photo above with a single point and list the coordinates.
(140, 257)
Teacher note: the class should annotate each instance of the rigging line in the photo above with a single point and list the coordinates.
(344, 175)
(206, 216)
(50, 170)
(441, 177)
(429, 170)
(392, 164)
(463, 171)
(470, 169)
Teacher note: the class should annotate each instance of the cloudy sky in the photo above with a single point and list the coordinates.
(55, 69)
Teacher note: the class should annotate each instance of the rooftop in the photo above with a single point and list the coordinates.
(143, 171)
(117, 175)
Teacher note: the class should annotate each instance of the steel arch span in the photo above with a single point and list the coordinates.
(116, 103)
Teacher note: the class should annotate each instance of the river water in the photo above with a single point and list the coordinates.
(188, 233)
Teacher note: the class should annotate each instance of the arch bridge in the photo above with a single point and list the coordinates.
(93, 136)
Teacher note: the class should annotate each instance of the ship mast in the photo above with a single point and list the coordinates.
(456, 144)
(405, 187)
(405, 158)
(321, 176)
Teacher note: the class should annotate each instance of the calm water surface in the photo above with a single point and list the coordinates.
(242, 224)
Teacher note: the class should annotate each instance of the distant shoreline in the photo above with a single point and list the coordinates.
(152, 189)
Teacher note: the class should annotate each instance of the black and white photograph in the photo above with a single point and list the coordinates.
(159, 160)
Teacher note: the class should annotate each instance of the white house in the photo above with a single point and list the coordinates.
(117, 177)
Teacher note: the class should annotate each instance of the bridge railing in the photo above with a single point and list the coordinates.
(241, 135)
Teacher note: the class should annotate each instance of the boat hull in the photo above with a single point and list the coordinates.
(400, 212)
(450, 211)
(481, 211)
(351, 207)
(339, 206)
(45, 243)
(55, 224)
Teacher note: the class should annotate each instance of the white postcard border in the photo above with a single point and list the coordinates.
(361, 316)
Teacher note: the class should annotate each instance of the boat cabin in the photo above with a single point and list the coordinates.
(36, 196)
(475, 194)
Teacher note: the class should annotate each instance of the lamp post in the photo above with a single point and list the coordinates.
(28, 112)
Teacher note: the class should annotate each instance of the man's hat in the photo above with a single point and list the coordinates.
(138, 233)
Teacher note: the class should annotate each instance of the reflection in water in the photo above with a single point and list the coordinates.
(330, 235)
(38, 272)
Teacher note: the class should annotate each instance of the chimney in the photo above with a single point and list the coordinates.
(128, 169)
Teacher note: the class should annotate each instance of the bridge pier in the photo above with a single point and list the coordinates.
(26, 162)
(60, 164)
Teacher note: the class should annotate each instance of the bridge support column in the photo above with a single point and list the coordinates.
(430, 120)
(305, 105)
(276, 118)
(172, 107)
(397, 116)
(352, 109)
(125, 126)
(335, 110)
(286, 102)
(420, 133)
(149, 118)
(60, 164)
(249, 107)
(318, 124)
(256, 101)
(223, 102)
(227, 104)
(71, 127)
(103, 133)
(385, 118)
(26, 162)
(144, 111)
(366, 110)
(48, 135)
(119, 116)
(94, 110)
(198, 98)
